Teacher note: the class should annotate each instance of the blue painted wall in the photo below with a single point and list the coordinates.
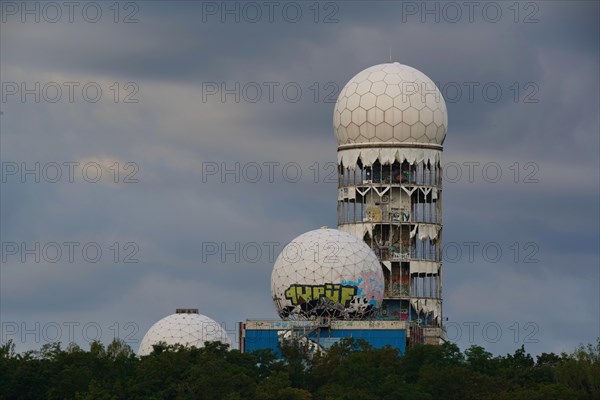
(256, 340)
(262, 339)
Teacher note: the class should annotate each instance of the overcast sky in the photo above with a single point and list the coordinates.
(179, 102)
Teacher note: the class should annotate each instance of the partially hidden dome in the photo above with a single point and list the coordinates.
(390, 103)
(186, 329)
(327, 272)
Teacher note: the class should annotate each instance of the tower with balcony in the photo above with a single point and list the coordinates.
(390, 123)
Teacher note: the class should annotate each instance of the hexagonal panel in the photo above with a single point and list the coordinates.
(433, 100)
(409, 88)
(392, 79)
(375, 116)
(384, 102)
(378, 88)
(364, 87)
(336, 118)
(393, 91)
(431, 132)
(417, 132)
(402, 132)
(426, 116)
(350, 89)
(377, 76)
(422, 139)
(367, 130)
(352, 131)
(407, 76)
(393, 116)
(378, 67)
(367, 101)
(441, 135)
(384, 132)
(438, 117)
(410, 115)
(417, 101)
(423, 78)
(359, 116)
(342, 135)
(401, 102)
(390, 68)
(426, 86)
(362, 76)
(341, 103)
(353, 102)
(345, 117)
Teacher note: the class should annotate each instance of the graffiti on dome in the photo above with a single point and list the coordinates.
(369, 285)
(342, 294)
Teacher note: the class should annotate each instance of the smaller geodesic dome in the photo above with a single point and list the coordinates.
(327, 272)
(186, 327)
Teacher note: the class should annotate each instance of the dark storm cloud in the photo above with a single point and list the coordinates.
(180, 47)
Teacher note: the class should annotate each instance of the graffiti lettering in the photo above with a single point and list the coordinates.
(342, 294)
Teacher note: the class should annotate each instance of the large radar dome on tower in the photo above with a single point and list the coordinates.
(390, 103)
(187, 328)
(327, 272)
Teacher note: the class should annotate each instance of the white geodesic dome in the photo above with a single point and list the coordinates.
(185, 329)
(389, 103)
(327, 272)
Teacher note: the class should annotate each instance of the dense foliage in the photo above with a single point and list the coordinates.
(350, 370)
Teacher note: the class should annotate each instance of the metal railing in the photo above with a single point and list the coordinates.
(392, 217)
(396, 178)
(394, 253)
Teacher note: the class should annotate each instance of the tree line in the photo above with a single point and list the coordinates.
(350, 370)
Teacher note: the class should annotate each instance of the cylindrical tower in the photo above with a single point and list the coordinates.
(390, 123)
